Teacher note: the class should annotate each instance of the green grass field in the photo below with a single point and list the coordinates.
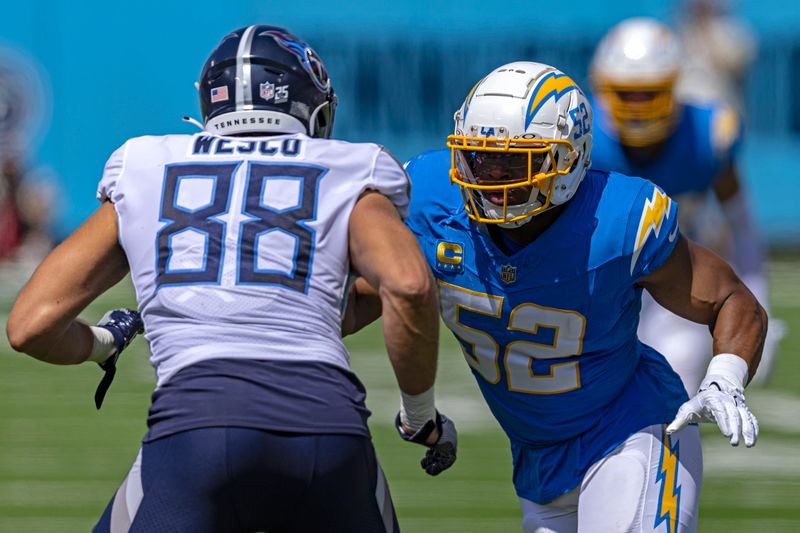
(61, 460)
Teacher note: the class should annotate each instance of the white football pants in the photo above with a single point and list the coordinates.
(648, 483)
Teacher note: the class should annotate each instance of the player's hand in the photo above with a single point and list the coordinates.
(719, 400)
(440, 437)
(124, 325)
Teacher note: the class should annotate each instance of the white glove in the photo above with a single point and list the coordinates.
(720, 399)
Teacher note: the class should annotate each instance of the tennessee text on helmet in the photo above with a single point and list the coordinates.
(264, 79)
(521, 143)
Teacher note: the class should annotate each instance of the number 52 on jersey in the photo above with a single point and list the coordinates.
(485, 355)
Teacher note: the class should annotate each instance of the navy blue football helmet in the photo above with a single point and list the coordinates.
(263, 79)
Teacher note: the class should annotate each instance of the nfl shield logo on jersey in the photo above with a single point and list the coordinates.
(508, 274)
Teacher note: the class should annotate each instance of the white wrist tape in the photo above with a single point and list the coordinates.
(103, 345)
(417, 409)
(730, 366)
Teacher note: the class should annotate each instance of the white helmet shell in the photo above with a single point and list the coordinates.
(520, 102)
(637, 51)
(633, 73)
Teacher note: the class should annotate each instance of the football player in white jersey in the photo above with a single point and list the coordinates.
(240, 241)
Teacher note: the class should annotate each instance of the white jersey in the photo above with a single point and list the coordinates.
(238, 245)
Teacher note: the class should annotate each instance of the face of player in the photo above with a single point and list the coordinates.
(637, 96)
(493, 168)
(640, 105)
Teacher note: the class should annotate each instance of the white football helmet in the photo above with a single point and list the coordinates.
(633, 74)
(521, 143)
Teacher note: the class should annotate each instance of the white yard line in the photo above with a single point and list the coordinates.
(766, 459)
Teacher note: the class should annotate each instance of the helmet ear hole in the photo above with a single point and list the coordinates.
(271, 71)
(573, 160)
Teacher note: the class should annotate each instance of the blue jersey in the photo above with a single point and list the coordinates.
(550, 331)
(705, 139)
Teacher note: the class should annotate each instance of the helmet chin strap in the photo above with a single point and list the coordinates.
(192, 120)
(530, 205)
(494, 211)
(312, 121)
(516, 223)
(523, 221)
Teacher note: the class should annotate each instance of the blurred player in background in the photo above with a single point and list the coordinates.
(239, 241)
(540, 263)
(25, 188)
(642, 129)
(11, 225)
(720, 49)
(26, 202)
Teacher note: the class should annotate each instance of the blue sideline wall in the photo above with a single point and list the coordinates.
(125, 69)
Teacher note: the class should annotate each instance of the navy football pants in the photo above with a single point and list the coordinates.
(247, 480)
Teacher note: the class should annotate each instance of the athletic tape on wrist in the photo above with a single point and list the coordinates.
(417, 409)
(103, 345)
(731, 366)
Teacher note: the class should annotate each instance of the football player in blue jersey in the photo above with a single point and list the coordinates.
(239, 241)
(689, 151)
(541, 263)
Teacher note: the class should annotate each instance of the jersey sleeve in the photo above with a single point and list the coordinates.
(430, 197)
(725, 133)
(415, 215)
(652, 231)
(390, 179)
(107, 188)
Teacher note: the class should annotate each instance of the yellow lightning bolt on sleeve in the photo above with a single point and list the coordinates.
(656, 210)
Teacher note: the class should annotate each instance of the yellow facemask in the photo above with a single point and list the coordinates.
(533, 175)
(640, 120)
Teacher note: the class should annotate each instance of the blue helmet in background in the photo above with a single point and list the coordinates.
(263, 79)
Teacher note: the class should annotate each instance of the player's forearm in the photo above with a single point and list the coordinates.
(59, 344)
(43, 321)
(411, 332)
(363, 307)
(741, 327)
